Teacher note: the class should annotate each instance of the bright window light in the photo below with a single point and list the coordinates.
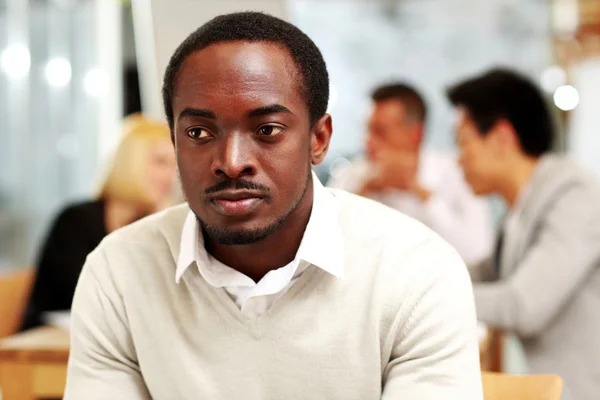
(566, 97)
(95, 82)
(58, 72)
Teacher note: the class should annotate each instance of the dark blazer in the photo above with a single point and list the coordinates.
(76, 231)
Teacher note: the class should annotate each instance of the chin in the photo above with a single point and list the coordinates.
(237, 235)
(481, 190)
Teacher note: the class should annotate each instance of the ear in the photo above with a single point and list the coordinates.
(320, 138)
(418, 134)
(506, 135)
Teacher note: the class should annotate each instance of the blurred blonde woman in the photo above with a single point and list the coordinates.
(139, 181)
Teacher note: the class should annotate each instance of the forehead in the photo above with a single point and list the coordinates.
(466, 127)
(230, 72)
(465, 121)
(388, 110)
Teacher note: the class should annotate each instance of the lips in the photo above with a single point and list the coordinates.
(236, 202)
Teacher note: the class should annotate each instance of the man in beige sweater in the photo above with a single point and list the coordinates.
(266, 285)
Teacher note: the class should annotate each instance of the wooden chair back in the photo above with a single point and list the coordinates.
(498, 386)
(14, 295)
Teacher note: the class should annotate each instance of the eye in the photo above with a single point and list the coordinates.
(198, 133)
(270, 130)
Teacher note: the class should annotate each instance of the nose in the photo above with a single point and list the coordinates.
(234, 159)
(370, 146)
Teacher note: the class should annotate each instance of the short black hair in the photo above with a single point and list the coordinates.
(505, 94)
(409, 96)
(257, 27)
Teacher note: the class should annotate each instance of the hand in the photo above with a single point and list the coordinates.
(421, 192)
(393, 169)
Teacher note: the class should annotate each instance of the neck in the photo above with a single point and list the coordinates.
(119, 213)
(275, 251)
(522, 170)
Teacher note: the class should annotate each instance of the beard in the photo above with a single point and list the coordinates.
(234, 237)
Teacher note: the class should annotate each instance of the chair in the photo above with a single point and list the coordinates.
(491, 351)
(498, 386)
(14, 294)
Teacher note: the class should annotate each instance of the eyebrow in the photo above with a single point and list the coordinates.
(257, 112)
(197, 112)
(270, 109)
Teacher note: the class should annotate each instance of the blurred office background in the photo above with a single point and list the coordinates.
(72, 69)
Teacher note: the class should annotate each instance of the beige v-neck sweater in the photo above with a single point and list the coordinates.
(399, 325)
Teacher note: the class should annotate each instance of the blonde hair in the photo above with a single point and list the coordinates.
(125, 178)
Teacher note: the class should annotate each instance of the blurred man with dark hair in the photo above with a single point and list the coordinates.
(424, 184)
(544, 281)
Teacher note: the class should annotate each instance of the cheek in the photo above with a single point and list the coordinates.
(470, 160)
(190, 168)
(286, 168)
(374, 144)
(398, 138)
(465, 157)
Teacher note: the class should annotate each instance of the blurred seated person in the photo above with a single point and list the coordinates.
(139, 182)
(423, 184)
(543, 284)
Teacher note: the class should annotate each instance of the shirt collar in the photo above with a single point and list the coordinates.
(321, 245)
(527, 189)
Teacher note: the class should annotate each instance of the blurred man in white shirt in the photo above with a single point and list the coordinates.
(424, 184)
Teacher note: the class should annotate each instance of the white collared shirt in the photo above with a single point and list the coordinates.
(453, 211)
(321, 247)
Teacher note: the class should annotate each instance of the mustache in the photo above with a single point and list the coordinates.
(236, 184)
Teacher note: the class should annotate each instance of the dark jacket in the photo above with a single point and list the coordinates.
(77, 231)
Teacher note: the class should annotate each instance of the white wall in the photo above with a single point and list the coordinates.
(161, 25)
(110, 60)
(583, 140)
(51, 133)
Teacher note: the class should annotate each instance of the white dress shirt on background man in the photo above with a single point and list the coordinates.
(453, 211)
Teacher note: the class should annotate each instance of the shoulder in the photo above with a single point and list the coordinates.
(163, 227)
(564, 196)
(563, 180)
(348, 175)
(388, 237)
(556, 170)
(399, 261)
(78, 214)
(82, 208)
(145, 250)
(366, 217)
